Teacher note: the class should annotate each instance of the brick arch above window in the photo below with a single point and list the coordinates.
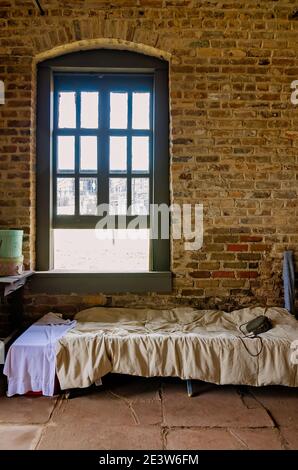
(102, 43)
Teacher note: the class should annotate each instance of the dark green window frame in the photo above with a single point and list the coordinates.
(141, 71)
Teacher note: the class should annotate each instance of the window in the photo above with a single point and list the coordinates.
(102, 154)
(102, 141)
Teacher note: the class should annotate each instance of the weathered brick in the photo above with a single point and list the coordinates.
(192, 292)
(237, 247)
(210, 265)
(228, 274)
(249, 256)
(247, 274)
(225, 239)
(214, 247)
(260, 247)
(233, 283)
(251, 238)
(202, 283)
(200, 274)
(234, 265)
(223, 256)
(233, 138)
(192, 265)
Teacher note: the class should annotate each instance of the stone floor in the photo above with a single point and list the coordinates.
(137, 413)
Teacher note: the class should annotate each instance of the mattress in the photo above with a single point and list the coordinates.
(181, 342)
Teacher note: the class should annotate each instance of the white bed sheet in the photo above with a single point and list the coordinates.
(30, 364)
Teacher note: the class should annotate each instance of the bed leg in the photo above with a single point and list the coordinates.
(189, 387)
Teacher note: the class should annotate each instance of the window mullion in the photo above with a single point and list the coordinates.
(77, 154)
(99, 144)
(129, 140)
(103, 168)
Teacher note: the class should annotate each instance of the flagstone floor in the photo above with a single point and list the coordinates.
(138, 413)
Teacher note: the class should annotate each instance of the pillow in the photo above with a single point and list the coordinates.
(111, 314)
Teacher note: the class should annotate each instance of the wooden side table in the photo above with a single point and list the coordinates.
(11, 308)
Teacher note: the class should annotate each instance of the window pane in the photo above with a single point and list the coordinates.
(140, 196)
(101, 250)
(118, 110)
(118, 153)
(141, 110)
(118, 196)
(89, 109)
(67, 109)
(66, 153)
(140, 153)
(88, 156)
(65, 196)
(88, 196)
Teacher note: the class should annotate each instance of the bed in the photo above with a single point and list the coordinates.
(181, 342)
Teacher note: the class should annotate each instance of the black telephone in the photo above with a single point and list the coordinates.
(253, 328)
(256, 326)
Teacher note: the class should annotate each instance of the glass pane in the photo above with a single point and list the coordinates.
(118, 153)
(66, 153)
(118, 110)
(89, 109)
(88, 149)
(88, 196)
(118, 196)
(140, 153)
(141, 110)
(65, 196)
(140, 196)
(119, 250)
(67, 109)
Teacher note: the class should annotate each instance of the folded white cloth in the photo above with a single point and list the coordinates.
(30, 364)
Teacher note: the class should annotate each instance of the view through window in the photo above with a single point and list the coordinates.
(102, 147)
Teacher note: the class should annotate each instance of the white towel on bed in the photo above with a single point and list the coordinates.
(31, 360)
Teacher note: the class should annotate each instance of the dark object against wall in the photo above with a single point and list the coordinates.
(289, 281)
(258, 325)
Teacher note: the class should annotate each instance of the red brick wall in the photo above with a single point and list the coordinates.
(234, 131)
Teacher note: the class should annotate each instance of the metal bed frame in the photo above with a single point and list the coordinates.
(189, 387)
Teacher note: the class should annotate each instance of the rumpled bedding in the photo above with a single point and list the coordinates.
(181, 342)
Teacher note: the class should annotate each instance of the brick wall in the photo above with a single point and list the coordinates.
(234, 131)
